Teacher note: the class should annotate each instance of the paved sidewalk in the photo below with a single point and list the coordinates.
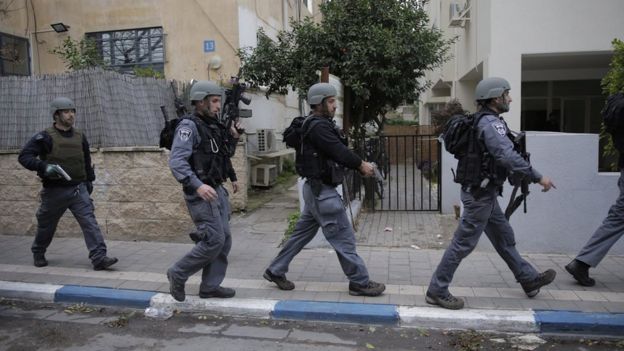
(482, 279)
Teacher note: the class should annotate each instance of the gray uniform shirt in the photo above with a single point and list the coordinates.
(186, 138)
(493, 132)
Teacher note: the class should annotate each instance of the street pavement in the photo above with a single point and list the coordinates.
(401, 249)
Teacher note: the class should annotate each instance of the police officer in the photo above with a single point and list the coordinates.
(62, 145)
(320, 161)
(612, 227)
(481, 209)
(200, 161)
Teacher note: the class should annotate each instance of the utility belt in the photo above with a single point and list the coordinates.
(316, 184)
(190, 191)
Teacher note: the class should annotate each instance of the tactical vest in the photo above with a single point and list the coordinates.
(210, 159)
(67, 152)
(311, 163)
(478, 164)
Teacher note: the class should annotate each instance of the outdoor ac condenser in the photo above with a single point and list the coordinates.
(266, 140)
(263, 175)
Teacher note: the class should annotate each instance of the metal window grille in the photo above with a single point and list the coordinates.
(125, 50)
(14, 56)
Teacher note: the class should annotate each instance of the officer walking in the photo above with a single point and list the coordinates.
(60, 155)
(481, 209)
(612, 227)
(320, 160)
(200, 161)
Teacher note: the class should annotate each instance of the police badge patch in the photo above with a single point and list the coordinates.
(185, 133)
(500, 128)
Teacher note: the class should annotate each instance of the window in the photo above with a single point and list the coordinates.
(308, 4)
(14, 56)
(126, 49)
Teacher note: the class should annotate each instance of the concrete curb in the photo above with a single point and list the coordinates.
(528, 321)
(362, 313)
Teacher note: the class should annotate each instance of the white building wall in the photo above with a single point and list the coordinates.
(499, 32)
(563, 219)
(277, 111)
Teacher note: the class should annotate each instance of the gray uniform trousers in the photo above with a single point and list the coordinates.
(54, 202)
(326, 211)
(210, 254)
(609, 232)
(482, 213)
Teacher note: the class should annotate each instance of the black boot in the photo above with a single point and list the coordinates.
(532, 288)
(580, 272)
(105, 263)
(40, 260)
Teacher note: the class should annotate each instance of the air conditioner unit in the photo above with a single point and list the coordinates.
(266, 140)
(263, 175)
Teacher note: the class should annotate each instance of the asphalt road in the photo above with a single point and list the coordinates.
(35, 326)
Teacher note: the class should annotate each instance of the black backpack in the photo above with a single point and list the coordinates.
(168, 132)
(293, 135)
(613, 119)
(460, 136)
(458, 131)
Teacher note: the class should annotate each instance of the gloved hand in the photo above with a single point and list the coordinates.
(51, 172)
(90, 187)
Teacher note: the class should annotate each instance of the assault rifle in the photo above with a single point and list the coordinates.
(521, 182)
(231, 111)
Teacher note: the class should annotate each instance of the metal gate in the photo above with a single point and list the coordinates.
(409, 166)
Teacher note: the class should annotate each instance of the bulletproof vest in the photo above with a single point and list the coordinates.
(478, 164)
(311, 163)
(67, 153)
(210, 159)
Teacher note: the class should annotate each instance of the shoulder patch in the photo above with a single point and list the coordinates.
(499, 127)
(39, 136)
(185, 133)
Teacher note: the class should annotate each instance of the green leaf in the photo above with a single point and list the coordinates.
(379, 48)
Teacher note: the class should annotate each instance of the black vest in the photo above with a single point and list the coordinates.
(210, 159)
(478, 164)
(314, 164)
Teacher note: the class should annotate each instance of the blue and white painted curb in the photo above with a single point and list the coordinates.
(384, 314)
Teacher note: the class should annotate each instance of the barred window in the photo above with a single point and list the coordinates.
(14, 56)
(126, 49)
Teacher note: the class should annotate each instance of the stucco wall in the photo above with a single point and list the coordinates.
(135, 196)
(563, 219)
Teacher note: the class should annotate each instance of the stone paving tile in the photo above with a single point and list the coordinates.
(384, 298)
(327, 296)
(486, 292)
(511, 293)
(411, 290)
(564, 295)
(403, 300)
(480, 302)
(462, 291)
(613, 307)
(134, 285)
(590, 296)
(345, 297)
(613, 297)
(534, 304)
(317, 272)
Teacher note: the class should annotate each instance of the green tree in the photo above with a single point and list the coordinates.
(613, 82)
(379, 48)
(78, 54)
(148, 72)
